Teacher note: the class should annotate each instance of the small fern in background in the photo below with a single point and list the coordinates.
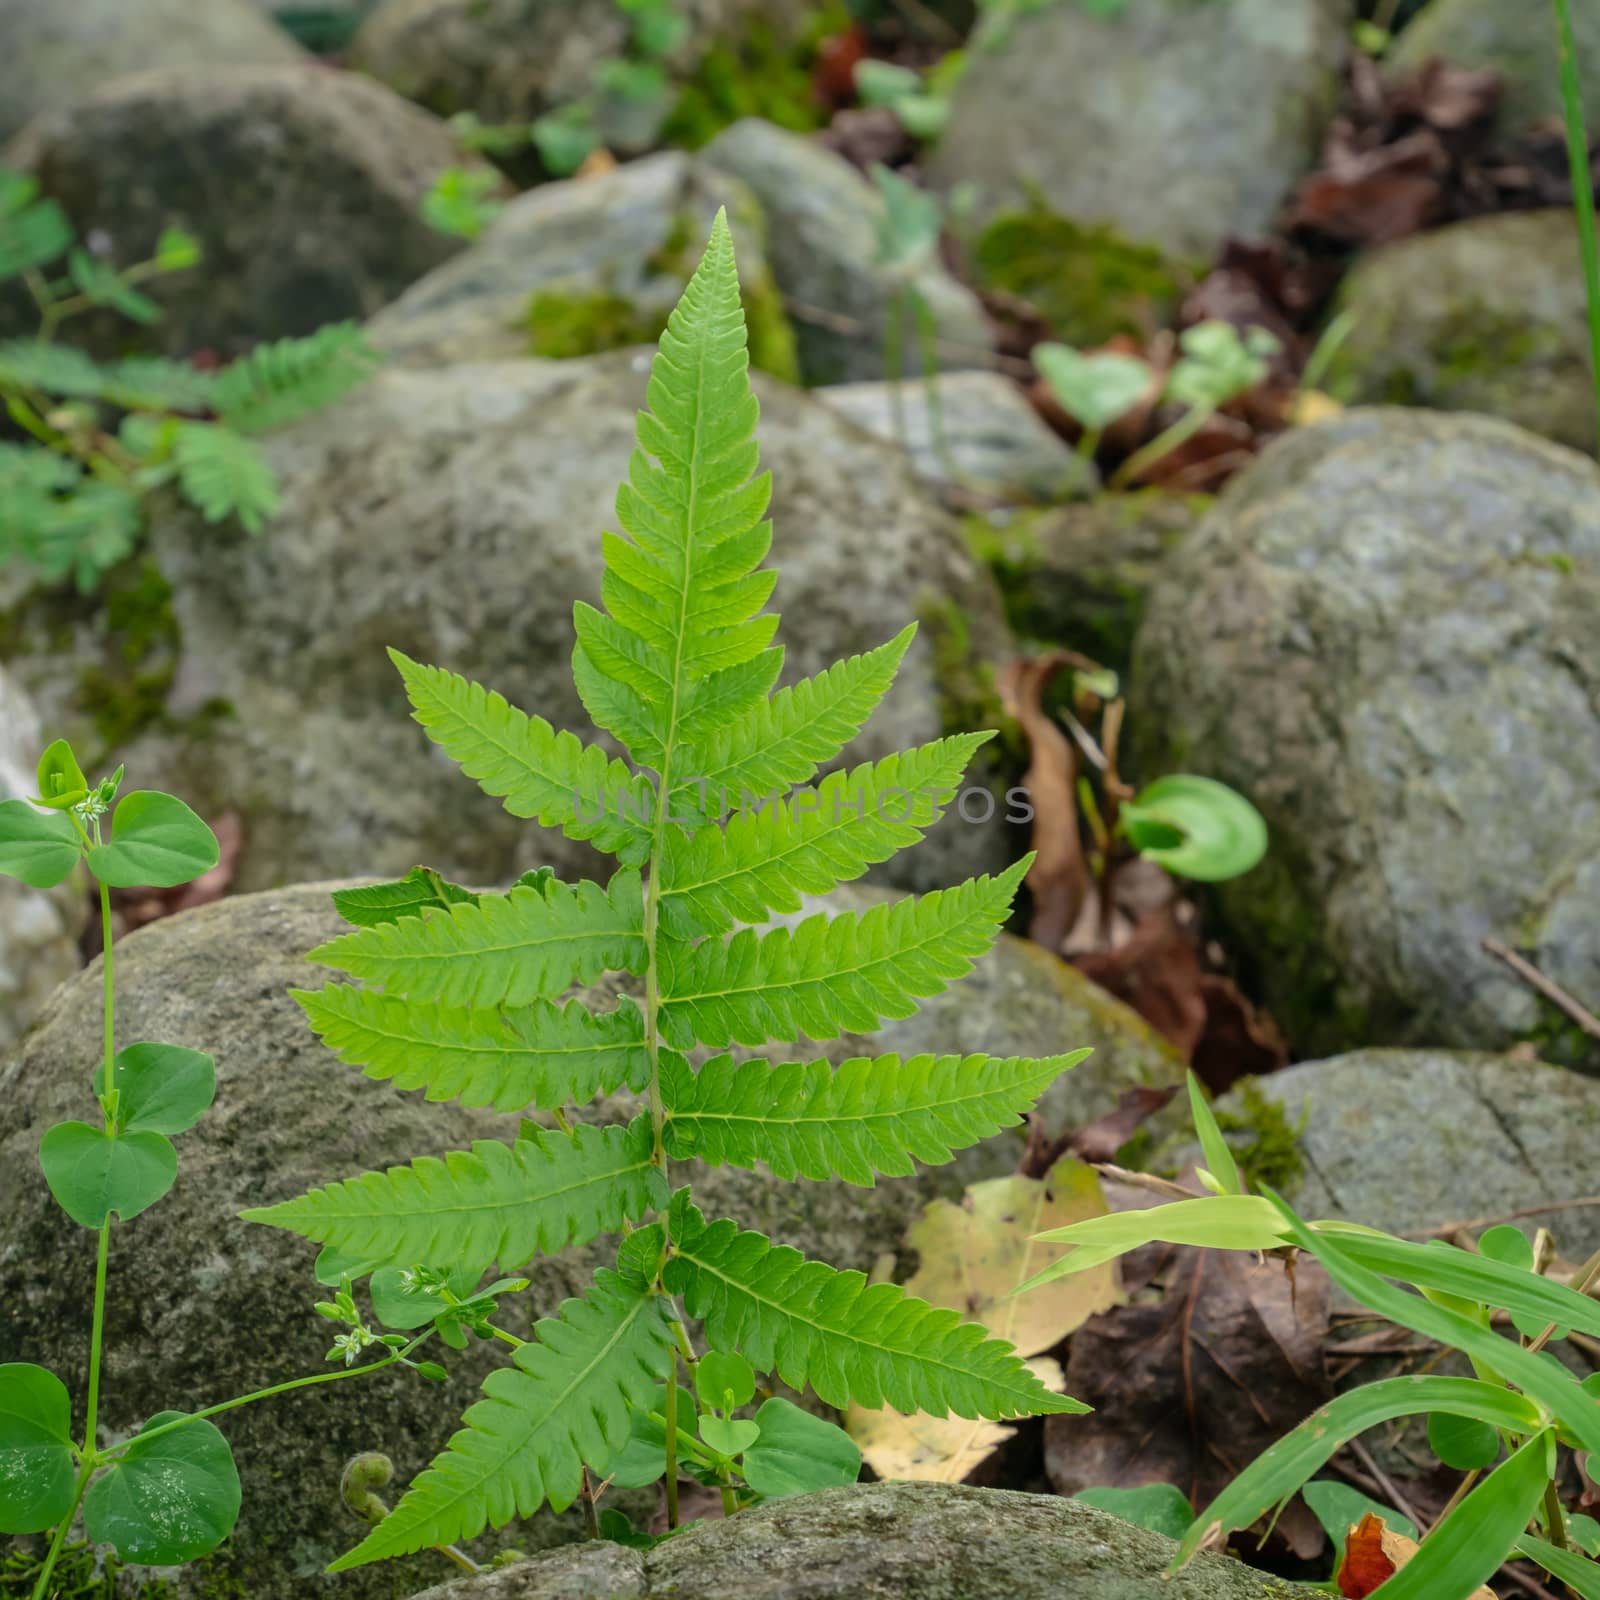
(723, 828)
(101, 435)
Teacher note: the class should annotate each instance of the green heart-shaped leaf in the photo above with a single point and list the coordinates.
(724, 1381)
(729, 1438)
(39, 847)
(91, 1174)
(1093, 390)
(36, 1464)
(642, 1459)
(1462, 1442)
(161, 1088)
(169, 1500)
(1160, 1507)
(1195, 827)
(61, 781)
(157, 842)
(798, 1452)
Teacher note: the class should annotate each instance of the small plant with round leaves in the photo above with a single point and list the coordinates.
(170, 1493)
(722, 824)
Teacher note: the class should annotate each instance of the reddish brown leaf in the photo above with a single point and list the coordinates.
(1238, 1041)
(1189, 1385)
(833, 77)
(1156, 971)
(1364, 1565)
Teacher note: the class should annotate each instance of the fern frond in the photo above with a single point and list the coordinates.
(563, 1406)
(681, 646)
(771, 855)
(225, 475)
(53, 369)
(497, 1202)
(830, 975)
(149, 383)
(548, 1055)
(851, 1341)
(288, 379)
(806, 1120)
(505, 949)
(550, 776)
(782, 741)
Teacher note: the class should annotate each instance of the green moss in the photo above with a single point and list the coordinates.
(1559, 1040)
(763, 71)
(126, 690)
(1270, 1156)
(1086, 280)
(562, 325)
(968, 696)
(81, 1573)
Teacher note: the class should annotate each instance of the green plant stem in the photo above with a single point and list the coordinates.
(1582, 183)
(42, 1587)
(1554, 1519)
(1089, 443)
(1142, 459)
(670, 1418)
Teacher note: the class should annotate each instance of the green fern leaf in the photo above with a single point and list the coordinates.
(851, 1341)
(830, 976)
(498, 1202)
(551, 777)
(806, 1120)
(782, 741)
(681, 647)
(505, 949)
(148, 383)
(565, 1405)
(225, 475)
(52, 369)
(281, 382)
(771, 855)
(547, 1055)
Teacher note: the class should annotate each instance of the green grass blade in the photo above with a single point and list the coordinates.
(1578, 1572)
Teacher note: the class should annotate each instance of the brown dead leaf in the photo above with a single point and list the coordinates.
(1190, 1385)
(1373, 1554)
(1058, 878)
(971, 1257)
(1238, 1041)
(1156, 971)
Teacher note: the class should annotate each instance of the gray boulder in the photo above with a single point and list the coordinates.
(1180, 124)
(1383, 634)
(822, 236)
(302, 184)
(588, 265)
(886, 1541)
(968, 430)
(456, 514)
(514, 60)
(204, 1306)
(57, 54)
(1410, 1139)
(1518, 44)
(1486, 315)
(38, 927)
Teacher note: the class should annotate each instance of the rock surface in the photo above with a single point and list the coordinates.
(969, 429)
(1078, 575)
(886, 1541)
(1512, 42)
(588, 265)
(1232, 99)
(38, 927)
(1409, 1139)
(302, 184)
(1486, 315)
(515, 60)
(58, 54)
(822, 237)
(456, 514)
(204, 1306)
(1383, 634)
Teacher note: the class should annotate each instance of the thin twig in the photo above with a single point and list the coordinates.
(1385, 1482)
(1553, 992)
(1471, 1223)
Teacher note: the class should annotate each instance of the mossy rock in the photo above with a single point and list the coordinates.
(1085, 279)
(1078, 575)
(586, 266)
(1487, 315)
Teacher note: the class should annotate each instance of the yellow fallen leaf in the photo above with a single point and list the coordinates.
(1311, 406)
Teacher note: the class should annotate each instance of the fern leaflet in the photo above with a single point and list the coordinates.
(546, 1055)
(830, 975)
(503, 950)
(551, 777)
(563, 1406)
(850, 1340)
(496, 1202)
(806, 1120)
(769, 856)
(288, 379)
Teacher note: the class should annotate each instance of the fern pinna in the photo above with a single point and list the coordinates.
(462, 1001)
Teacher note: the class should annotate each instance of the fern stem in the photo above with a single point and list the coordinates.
(670, 1417)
